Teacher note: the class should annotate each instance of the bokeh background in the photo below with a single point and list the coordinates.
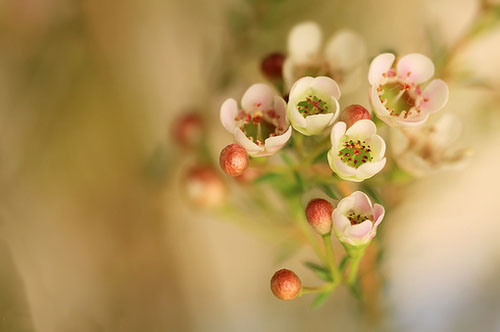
(95, 233)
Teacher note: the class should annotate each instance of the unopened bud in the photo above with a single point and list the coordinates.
(272, 66)
(285, 285)
(188, 130)
(319, 215)
(233, 160)
(204, 187)
(354, 113)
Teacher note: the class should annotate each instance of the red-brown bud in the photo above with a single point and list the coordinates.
(319, 215)
(354, 113)
(285, 285)
(272, 66)
(188, 130)
(204, 186)
(233, 159)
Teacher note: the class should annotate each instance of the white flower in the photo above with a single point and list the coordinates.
(313, 104)
(396, 94)
(355, 219)
(261, 126)
(341, 58)
(358, 153)
(424, 150)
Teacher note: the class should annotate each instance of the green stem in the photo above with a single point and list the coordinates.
(318, 289)
(320, 148)
(353, 270)
(330, 258)
(298, 140)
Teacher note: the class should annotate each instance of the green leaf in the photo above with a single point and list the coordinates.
(268, 177)
(286, 159)
(320, 299)
(329, 191)
(321, 272)
(300, 181)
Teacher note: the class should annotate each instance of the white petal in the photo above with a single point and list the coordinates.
(345, 205)
(339, 167)
(380, 65)
(315, 124)
(288, 73)
(252, 148)
(413, 121)
(378, 146)
(326, 85)
(258, 97)
(434, 97)
(304, 42)
(378, 215)
(379, 108)
(296, 119)
(340, 222)
(338, 131)
(364, 128)
(368, 170)
(299, 88)
(415, 68)
(280, 109)
(275, 143)
(359, 233)
(345, 50)
(228, 112)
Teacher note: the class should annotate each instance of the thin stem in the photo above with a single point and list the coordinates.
(318, 289)
(298, 140)
(330, 258)
(353, 269)
(322, 146)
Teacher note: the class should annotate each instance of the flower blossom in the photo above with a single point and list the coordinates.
(355, 219)
(396, 92)
(341, 58)
(313, 104)
(424, 150)
(260, 126)
(358, 152)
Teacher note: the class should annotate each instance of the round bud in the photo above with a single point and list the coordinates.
(319, 215)
(285, 285)
(204, 187)
(354, 113)
(188, 130)
(233, 159)
(272, 66)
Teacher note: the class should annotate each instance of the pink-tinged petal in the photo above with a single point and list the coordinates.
(378, 215)
(345, 50)
(280, 109)
(379, 66)
(275, 143)
(362, 202)
(258, 97)
(377, 146)
(338, 131)
(228, 112)
(327, 85)
(299, 88)
(415, 68)
(345, 205)
(340, 222)
(359, 233)
(413, 121)
(315, 124)
(252, 148)
(434, 97)
(304, 42)
(377, 105)
(364, 128)
(368, 170)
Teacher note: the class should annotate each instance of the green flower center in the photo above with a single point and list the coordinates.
(260, 125)
(397, 98)
(312, 105)
(357, 218)
(355, 153)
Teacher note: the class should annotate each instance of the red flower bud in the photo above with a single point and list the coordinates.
(204, 186)
(188, 130)
(285, 284)
(233, 159)
(272, 66)
(354, 113)
(319, 215)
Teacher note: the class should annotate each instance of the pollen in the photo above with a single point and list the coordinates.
(312, 105)
(356, 153)
(357, 218)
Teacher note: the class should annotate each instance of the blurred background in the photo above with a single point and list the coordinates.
(95, 233)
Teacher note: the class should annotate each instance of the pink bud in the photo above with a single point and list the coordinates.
(188, 130)
(354, 113)
(233, 159)
(204, 186)
(272, 66)
(319, 215)
(285, 285)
